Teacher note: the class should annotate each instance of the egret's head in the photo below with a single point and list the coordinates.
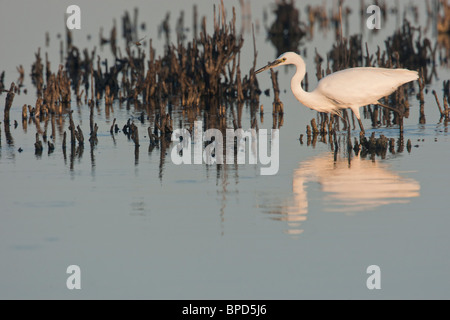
(285, 58)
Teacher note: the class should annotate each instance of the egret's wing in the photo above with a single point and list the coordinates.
(363, 86)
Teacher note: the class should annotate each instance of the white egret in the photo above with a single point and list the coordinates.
(350, 88)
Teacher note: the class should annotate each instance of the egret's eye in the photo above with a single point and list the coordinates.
(284, 59)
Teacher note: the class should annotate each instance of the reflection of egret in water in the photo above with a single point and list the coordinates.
(361, 186)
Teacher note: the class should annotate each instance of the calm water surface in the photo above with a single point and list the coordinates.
(141, 227)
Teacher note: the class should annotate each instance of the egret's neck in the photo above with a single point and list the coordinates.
(296, 87)
(298, 78)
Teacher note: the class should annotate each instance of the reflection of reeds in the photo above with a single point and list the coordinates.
(406, 49)
(184, 70)
(278, 109)
(364, 147)
(443, 111)
(8, 103)
(203, 74)
(38, 145)
(286, 31)
(443, 21)
(6, 118)
(2, 82)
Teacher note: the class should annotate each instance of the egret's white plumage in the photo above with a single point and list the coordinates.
(350, 88)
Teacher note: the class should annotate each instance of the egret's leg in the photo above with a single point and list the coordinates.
(400, 113)
(390, 108)
(339, 114)
(347, 121)
(349, 134)
(361, 126)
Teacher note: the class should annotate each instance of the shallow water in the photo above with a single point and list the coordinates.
(140, 226)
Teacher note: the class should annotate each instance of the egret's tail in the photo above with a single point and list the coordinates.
(406, 75)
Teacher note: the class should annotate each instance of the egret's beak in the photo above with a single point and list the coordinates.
(269, 66)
